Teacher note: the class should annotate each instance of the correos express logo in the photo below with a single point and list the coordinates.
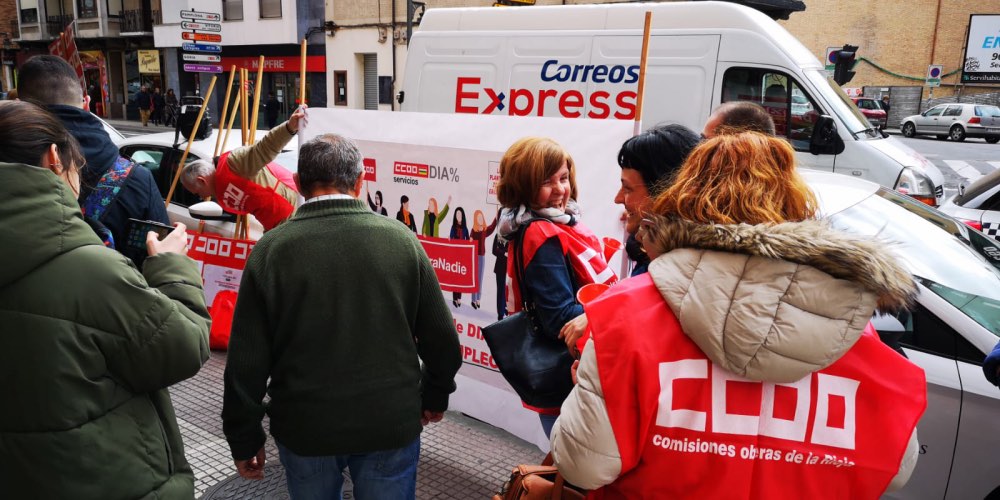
(607, 101)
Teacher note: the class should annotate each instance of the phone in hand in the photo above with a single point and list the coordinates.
(137, 230)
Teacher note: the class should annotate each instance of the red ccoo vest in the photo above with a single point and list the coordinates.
(581, 248)
(243, 196)
(687, 428)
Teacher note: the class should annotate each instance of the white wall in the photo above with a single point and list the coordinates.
(250, 31)
(345, 52)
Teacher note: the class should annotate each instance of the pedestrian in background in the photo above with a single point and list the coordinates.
(271, 109)
(745, 286)
(170, 111)
(90, 345)
(159, 103)
(558, 254)
(144, 102)
(738, 116)
(338, 309)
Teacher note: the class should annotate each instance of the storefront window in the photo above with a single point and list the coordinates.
(270, 9)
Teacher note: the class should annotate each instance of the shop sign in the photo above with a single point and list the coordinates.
(149, 61)
(278, 64)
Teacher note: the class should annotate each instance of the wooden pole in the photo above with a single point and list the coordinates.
(194, 131)
(232, 118)
(256, 101)
(642, 74)
(302, 74)
(225, 109)
(244, 76)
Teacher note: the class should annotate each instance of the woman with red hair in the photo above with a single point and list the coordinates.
(742, 365)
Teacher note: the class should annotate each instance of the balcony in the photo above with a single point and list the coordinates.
(56, 24)
(139, 20)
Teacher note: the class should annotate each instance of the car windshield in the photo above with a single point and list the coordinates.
(958, 264)
(849, 113)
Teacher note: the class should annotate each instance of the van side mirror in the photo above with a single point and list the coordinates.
(210, 210)
(825, 140)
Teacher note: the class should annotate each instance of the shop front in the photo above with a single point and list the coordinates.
(281, 77)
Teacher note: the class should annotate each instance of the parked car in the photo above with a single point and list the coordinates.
(955, 322)
(872, 109)
(116, 136)
(978, 205)
(159, 154)
(955, 121)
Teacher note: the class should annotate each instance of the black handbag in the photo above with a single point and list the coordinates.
(535, 365)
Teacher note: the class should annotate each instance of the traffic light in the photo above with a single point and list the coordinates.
(844, 63)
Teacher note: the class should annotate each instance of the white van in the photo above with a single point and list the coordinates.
(582, 61)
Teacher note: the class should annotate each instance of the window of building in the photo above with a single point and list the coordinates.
(340, 88)
(793, 111)
(232, 10)
(29, 11)
(115, 7)
(270, 9)
(86, 8)
(371, 81)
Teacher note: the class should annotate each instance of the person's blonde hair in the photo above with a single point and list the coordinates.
(526, 165)
(747, 178)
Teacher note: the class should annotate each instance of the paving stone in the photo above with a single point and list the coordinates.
(460, 457)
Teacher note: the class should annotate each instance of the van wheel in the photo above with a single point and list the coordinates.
(993, 139)
(957, 133)
(941, 137)
(909, 130)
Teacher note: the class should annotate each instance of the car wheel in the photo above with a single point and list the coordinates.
(957, 133)
(993, 139)
(909, 130)
(941, 137)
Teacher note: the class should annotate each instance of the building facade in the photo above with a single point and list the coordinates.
(110, 35)
(897, 41)
(250, 28)
(9, 32)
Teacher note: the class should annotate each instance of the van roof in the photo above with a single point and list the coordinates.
(692, 17)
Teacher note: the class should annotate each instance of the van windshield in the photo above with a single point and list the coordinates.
(842, 106)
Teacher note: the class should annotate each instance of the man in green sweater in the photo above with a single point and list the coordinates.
(338, 306)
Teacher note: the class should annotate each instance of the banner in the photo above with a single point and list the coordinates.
(220, 261)
(437, 175)
(982, 52)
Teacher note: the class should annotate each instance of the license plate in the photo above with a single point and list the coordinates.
(993, 130)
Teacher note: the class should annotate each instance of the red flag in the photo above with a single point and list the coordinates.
(64, 46)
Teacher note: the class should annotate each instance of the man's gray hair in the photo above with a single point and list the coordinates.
(329, 160)
(195, 169)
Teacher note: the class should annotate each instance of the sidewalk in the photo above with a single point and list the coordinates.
(460, 457)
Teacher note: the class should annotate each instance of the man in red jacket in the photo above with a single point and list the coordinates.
(246, 181)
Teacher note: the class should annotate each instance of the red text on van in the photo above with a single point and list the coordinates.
(528, 102)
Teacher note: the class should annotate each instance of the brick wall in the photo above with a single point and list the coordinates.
(898, 36)
(8, 18)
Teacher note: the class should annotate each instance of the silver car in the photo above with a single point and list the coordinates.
(955, 121)
(948, 333)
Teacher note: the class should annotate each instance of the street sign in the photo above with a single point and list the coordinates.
(201, 37)
(831, 59)
(213, 27)
(202, 58)
(200, 16)
(201, 47)
(934, 75)
(203, 68)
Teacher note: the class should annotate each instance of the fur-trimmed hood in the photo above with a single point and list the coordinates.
(774, 302)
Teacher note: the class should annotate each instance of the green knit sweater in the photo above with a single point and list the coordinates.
(335, 306)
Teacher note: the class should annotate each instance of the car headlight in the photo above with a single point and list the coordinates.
(916, 185)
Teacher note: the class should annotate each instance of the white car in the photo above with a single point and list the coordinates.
(978, 205)
(955, 121)
(954, 324)
(160, 155)
(113, 133)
